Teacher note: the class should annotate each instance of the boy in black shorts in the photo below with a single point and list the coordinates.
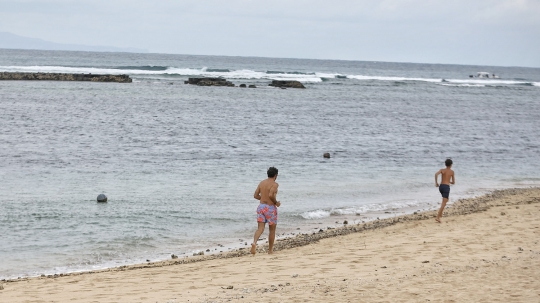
(446, 179)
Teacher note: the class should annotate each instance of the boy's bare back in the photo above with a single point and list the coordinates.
(447, 176)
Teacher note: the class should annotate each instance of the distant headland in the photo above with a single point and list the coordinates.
(13, 41)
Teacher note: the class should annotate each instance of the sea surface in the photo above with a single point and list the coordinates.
(180, 163)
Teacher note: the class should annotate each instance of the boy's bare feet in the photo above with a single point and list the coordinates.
(438, 220)
(253, 248)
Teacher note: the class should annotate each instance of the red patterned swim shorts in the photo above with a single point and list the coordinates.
(267, 214)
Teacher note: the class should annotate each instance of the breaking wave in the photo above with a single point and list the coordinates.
(448, 82)
(168, 71)
(356, 210)
(399, 79)
(463, 85)
(273, 72)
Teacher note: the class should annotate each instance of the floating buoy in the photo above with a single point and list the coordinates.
(102, 198)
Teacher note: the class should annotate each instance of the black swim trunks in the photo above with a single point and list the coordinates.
(444, 189)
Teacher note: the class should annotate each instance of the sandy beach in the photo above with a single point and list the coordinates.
(486, 250)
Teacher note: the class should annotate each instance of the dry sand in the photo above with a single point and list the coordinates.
(486, 250)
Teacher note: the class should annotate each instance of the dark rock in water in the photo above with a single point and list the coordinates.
(173, 256)
(65, 77)
(242, 85)
(102, 198)
(345, 222)
(209, 82)
(252, 86)
(290, 84)
(326, 155)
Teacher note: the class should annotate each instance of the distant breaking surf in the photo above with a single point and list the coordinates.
(167, 72)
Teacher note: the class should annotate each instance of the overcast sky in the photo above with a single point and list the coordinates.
(484, 32)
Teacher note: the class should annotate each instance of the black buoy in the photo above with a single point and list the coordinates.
(102, 198)
(326, 155)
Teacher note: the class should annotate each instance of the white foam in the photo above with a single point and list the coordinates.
(326, 75)
(381, 78)
(463, 82)
(360, 209)
(463, 85)
(316, 214)
(250, 74)
(486, 81)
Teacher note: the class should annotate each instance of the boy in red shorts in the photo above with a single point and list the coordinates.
(267, 211)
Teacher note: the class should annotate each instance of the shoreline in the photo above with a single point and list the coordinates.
(461, 207)
(486, 250)
(210, 246)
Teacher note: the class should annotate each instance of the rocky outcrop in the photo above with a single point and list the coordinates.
(286, 84)
(209, 82)
(65, 77)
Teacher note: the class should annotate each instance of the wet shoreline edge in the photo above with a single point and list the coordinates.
(461, 207)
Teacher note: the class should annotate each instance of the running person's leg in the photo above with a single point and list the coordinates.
(439, 214)
(258, 233)
(271, 237)
(262, 219)
(444, 189)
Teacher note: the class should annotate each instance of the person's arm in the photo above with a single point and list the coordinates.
(257, 194)
(436, 177)
(452, 179)
(272, 195)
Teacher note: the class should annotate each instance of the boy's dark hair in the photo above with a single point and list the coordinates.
(272, 172)
(448, 162)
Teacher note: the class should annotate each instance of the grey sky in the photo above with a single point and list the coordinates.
(485, 32)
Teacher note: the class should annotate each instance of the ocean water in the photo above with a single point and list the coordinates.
(179, 163)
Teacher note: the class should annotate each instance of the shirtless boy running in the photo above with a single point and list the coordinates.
(446, 179)
(267, 211)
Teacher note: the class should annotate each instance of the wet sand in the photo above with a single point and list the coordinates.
(486, 250)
